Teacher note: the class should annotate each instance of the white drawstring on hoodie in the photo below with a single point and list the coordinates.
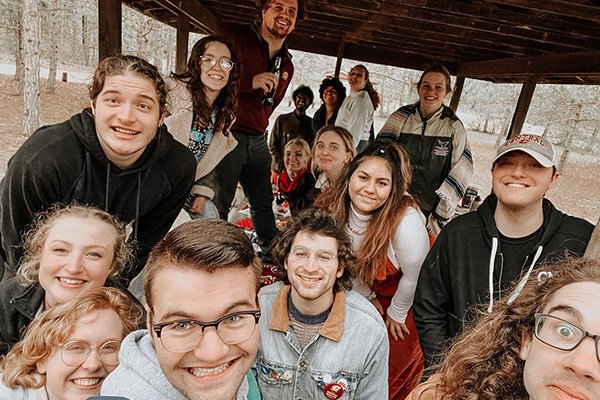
(521, 283)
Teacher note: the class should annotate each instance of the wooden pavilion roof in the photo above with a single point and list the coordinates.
(557, 41)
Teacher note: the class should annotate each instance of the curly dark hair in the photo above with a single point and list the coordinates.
(226, 101)
(484, 362)
(319, 222)
(337, 85)
(120, 64)
(305, 90)
(264, 4)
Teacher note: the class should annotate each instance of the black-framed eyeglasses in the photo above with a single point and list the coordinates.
(561, 334)
(76, 352)
(323, 258)
(183, 335)
(225, 63)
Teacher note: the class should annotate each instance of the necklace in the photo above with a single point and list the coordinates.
(356, 230)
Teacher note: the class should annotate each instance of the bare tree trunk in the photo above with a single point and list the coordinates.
(31, 57)
(19, 65)
(569, 138)
(54, 27)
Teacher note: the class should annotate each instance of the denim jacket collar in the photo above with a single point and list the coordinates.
(333, 328)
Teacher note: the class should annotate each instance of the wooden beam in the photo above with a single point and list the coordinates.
(340, 57)
(109, 28)
(196, 12)
(360, 52)
(559, 7)
(458, 87)
(183, 34)
(571, 64)
(593, 247)
(523, 103)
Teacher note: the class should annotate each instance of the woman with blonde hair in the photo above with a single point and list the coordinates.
(332, 150)
(70, 250)
(68, 350)
(390, 243)
(296, 183)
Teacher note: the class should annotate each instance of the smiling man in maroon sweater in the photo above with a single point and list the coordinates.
(261, 49)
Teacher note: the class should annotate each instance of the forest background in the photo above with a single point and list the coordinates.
(60, 38)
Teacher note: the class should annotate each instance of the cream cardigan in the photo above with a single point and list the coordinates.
(180, 123)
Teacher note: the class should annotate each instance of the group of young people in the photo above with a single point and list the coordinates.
(362, 304)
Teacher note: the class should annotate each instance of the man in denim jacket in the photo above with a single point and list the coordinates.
(318, 339)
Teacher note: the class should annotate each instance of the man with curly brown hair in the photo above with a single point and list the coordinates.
(535, 348)
(318, 339)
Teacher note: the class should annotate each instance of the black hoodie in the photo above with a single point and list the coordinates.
(64, 162)
(455, 274)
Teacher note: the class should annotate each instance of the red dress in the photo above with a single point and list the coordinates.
(406, 360)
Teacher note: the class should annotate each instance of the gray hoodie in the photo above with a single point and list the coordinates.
(139, 376)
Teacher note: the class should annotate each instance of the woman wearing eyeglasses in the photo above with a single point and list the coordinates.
(204, 100)
(70, 349)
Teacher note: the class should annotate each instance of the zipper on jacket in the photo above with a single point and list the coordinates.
(422, 136)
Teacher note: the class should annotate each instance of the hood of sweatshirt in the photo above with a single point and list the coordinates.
(139, 376)
(85, 130)
(552, 220)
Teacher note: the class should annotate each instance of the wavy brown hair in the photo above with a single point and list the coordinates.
(226, 101)
(372, 254)
(369, 88)
(320, 222)
(36, 236)
(484, 362)
(54, 327)
(120, 64)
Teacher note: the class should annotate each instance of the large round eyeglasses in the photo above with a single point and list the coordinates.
(183, 335)
(561, 334)
(323, 258)
(225, 63)
(76, 352)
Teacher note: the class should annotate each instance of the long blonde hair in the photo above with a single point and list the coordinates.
(372, 254)
(54, 326)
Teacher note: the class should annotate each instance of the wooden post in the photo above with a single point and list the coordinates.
(109, 27)
(458, 87)
(340, 57)
(593, 247)
(523, 103)
(183, 34)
